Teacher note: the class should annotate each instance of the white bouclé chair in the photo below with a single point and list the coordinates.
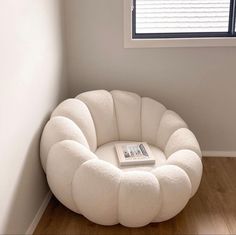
(79, 158)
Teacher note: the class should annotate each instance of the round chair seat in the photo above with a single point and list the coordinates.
(107, 152)
(79, 158)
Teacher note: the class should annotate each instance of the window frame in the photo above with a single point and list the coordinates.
(230, 33)
(195, 41)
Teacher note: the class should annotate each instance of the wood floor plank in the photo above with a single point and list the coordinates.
(211, 211)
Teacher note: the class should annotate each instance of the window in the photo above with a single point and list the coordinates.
(183, 18)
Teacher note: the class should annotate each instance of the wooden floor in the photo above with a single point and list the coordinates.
(211, 211)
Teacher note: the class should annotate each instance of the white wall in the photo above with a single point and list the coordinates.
(31, 84)
(198, 83)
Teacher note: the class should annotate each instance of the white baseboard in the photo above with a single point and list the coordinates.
(219, 153)
(39, 214)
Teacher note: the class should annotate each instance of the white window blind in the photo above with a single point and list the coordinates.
(182, 16)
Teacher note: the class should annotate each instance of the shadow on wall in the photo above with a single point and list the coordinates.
(30, 189)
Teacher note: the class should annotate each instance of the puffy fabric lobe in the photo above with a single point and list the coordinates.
(190, 162)
(58, 129)
(95, 190)
(170, 122)
(152, 112)
(182, 138)
(139, 198)
(64, 159)
(78, 112)
(128, 114)
(101, 106)
(175, 191)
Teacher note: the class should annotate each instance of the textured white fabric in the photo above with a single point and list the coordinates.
(182, 138)
(88, 180)
(139, 198)
(96, 190)
(100, 104)
(78, 112)
(58, 129)
(64, 158)
(128, 113)
(175, 191)
(190, 162)
(170, 122)
(152, 112)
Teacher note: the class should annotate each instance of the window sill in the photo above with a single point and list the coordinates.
(179, 42)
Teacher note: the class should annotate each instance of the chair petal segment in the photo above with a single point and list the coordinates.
(139, 198)
(101, 106)
(58, 129)
(128, 113)
(170, 122)
(78, 112)
(152, 112)
(95, 190)
(175, 191)
(64, 159)
(182, 138)
(190, 162)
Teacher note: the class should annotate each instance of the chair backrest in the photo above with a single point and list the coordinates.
(121, 115)
(104, 116)
(94, 118)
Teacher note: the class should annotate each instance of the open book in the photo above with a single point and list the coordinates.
(137, 153)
